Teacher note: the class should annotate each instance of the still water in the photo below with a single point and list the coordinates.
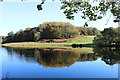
(59, 63)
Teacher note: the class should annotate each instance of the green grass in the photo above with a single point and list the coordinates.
(49, 45)
(84, 40)
(66, 45)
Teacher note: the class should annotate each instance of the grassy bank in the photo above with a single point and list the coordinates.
(66, 45)
(79, 40)
(49, 45)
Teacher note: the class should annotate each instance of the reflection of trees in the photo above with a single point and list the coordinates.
(110, 55)
(46, 57)
(66, 57)
(87, 57)
(26, 54)
(9, 50)
(51, 57)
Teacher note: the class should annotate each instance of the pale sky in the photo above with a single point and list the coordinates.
(19, 15)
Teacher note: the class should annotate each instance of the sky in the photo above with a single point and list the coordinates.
(20, 15)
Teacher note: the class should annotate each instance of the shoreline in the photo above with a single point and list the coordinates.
(47, 45)
(85, 41)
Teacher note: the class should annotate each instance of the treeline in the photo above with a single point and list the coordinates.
(47, 30)
(88, 31)
(108, 37)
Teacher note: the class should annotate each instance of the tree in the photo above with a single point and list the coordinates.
(9, 38)
(37, 36)
(92, 12)
(58, 30)
(108, 37)
(89, 11)
(10, 33)
(88, 31)
(18, 36)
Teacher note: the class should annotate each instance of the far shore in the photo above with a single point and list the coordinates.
(48, 45)
(85, 40)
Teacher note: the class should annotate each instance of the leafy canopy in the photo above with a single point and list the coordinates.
(87, 9)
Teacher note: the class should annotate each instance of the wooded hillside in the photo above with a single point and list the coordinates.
(47, 30)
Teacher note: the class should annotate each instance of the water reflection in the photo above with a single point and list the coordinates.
(51, 57)
(110, 55)
(87, 57)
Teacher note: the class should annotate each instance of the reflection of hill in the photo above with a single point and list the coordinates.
(51, 57)
(110, 55)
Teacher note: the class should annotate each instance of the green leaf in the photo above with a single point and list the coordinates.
(99, 17)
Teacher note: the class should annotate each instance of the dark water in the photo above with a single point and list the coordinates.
(59, 63)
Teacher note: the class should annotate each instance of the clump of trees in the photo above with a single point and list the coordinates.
(47, 30)
(88, 31)
(29, 34)
(57, 30)
(108, 37)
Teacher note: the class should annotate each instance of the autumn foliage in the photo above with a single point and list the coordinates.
(47, 30)
(57, 30)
